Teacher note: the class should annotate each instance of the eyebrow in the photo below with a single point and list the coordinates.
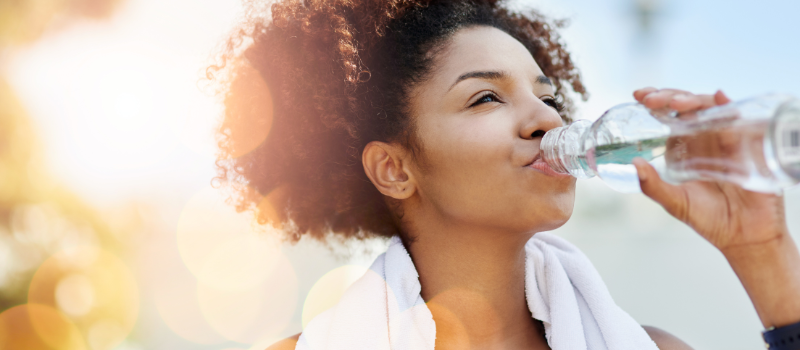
(488, 75)
(494, 75)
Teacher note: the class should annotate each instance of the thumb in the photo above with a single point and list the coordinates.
(671, 197)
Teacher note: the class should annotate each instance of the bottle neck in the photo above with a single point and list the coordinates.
(551, 151)
(562, 149)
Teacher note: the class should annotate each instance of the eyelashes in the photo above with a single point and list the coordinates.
(490, 96)
(553, 103)
(485, 98)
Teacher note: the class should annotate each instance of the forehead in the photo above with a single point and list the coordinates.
(483, 48)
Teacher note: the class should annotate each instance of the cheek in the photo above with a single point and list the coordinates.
(465, 163)
(470, 177)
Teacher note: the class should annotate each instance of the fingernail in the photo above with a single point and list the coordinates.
(680, 97)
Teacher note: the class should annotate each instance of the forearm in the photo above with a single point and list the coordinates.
(770, 273)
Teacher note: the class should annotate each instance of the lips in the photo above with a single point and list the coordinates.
(541, 166)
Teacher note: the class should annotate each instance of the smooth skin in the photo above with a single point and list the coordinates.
(471, 200)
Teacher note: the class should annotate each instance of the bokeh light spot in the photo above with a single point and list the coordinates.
(177, 304)
(327, 291)
(221, 247)
(254, 314)
(75, 295)
(270, 206)
(105, 334)
(89, 285)
(38, 327)
(174, 291)
(449, 326)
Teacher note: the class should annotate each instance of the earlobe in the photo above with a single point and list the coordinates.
(384, 166)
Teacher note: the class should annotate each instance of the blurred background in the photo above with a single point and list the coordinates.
(111, 236)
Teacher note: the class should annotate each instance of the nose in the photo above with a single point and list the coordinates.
(538, 119)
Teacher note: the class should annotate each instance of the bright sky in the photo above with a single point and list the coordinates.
(742, 47)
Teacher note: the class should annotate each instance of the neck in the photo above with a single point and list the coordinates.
(473, 280)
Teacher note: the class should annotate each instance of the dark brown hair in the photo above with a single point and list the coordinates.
(307, 84)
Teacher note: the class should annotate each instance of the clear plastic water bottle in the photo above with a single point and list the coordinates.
(754, 143)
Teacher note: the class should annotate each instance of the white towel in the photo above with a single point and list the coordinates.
(384, 310)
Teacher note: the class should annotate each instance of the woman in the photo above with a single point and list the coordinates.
(422, 120)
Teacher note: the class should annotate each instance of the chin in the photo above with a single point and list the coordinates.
(557, 223)
(538, 220)
(558, 212)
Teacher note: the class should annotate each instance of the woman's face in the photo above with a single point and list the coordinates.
(479, 119)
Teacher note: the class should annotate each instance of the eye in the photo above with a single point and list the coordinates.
(552, 103)
(485, 98)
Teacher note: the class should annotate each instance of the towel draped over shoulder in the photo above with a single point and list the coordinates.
(383, 310)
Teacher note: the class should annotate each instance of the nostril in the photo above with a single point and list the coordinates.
(537, 133)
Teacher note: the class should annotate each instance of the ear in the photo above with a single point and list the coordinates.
(385, 167)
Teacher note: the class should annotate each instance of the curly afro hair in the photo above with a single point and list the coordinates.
(308, 83)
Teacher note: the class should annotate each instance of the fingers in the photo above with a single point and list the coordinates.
(671, 197)
(678, 100)
(661, 98)
(641, 93)
(687, 103)
(720, 98)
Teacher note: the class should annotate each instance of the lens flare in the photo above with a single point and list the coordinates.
(269, 207)
(38, 327)
(274, 344)
(223, 248)
(448, 324)
(248, 123)
(91, 287)
(327, 291)
(250, 315)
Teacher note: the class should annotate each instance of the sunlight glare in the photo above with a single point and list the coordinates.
(123, 106)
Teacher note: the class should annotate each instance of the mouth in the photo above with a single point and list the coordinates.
(541, 166)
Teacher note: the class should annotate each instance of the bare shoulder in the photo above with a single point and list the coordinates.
(665, 340)
(286, 344)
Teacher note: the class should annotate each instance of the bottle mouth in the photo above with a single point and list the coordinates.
(549, 149)
(561, 149)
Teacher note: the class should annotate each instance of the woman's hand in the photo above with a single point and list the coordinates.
(749, 228)
(723, 213)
